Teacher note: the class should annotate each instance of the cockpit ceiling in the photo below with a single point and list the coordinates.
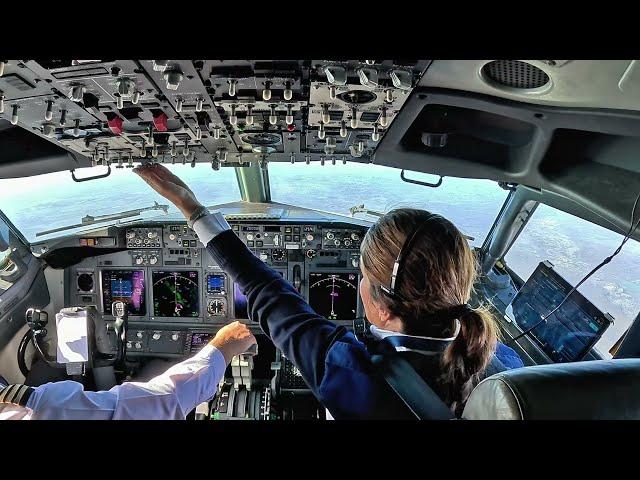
(610, 84)
(568, 129)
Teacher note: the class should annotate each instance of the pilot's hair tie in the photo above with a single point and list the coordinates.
(452, 313)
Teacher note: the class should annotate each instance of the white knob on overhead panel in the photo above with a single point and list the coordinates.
(232, 87)
(48, 113)
(343, 129)
(383, 120)
(289, 116)
(63, 117)
(135, 98)
(2, 103)
(354, 118)
(198, 133)
(326, 118)
(273, 116)
(216, 132)
(233, 118)
(249, 119)
(332, 92)
(288, 93)
(388, 96)
(321, 132)
(156, 336)
(266, 93)
(173, 149)
(154, 151)
(375, 134)
(179, 103)
(199, 103)
(185, 150)
(14, 115)
(76, 129)
(119, 102)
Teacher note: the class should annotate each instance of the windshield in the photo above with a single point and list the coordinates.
(43, 202)
(472, 205)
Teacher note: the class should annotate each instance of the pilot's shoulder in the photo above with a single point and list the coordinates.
(508, 356)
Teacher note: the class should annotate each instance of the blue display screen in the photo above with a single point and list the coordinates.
(568, 334)
(216, 283)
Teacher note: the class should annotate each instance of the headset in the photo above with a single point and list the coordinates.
(392, 290)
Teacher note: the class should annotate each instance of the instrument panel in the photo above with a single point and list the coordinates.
(221, 112)
(177, 295)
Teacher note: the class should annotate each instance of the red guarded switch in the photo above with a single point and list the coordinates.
(160, 122)
(115, 125)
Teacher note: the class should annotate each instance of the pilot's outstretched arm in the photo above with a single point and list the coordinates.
(169, 396)
(335, 365)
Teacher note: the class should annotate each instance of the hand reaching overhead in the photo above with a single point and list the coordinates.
(169, 186)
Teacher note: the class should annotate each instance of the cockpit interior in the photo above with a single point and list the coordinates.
(536, 161)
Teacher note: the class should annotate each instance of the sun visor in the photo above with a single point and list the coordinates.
(24, 154)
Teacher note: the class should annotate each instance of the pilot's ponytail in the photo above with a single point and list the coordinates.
(437, 275)
(468, 356)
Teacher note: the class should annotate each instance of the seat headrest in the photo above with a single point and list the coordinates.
(595, 390)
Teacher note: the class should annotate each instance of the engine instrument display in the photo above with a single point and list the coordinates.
(175, 293)
(124, 286)
(334, 295)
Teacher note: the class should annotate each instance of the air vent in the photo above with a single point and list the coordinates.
(85, 282)
(514, 74)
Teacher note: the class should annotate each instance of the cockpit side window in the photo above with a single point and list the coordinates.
(575, 246)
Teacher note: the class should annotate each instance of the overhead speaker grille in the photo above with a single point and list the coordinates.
(515, 74)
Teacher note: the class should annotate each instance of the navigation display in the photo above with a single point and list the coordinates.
(334, 295)
(569, 333)
(124, 286)
(175, 293)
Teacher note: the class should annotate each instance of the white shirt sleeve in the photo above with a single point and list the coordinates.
(210, 226)
(169, 396)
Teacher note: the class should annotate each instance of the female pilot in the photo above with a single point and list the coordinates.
(420, 311)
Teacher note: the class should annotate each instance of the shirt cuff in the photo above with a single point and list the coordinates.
(210, 226)
(212, 355)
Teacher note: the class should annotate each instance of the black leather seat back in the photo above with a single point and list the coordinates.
(596, 390)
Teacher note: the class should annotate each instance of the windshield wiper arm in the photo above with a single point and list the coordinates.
(91, 220)
(361, 209)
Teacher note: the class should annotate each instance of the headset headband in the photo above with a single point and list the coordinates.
(402, 254)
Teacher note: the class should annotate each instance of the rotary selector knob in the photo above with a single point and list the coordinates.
(172, 236)
(153, 259)
(264, 256)
(355, 262)
(131, 235)
(347, 242)
(152, 234)
(355, 237)
(309, 237)
(156, 336)
(311, 254)
(175, 337)
(139, 260)
(139, 334)
(336, 242)
(249, 236)
(129, 344)
(138, 345)
(330, 235)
